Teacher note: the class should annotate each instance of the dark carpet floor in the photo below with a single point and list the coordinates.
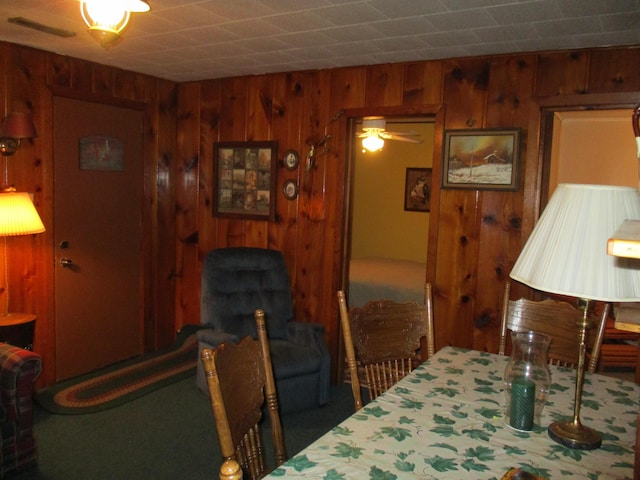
(167, 434)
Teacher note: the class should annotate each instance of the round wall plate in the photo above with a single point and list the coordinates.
(290, 189)
(291, 159)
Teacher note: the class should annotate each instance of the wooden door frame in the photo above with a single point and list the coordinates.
(540, 139)
(539, 143)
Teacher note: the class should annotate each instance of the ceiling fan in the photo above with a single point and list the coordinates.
(374, 133)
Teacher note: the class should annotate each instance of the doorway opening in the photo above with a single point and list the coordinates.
(387, 232)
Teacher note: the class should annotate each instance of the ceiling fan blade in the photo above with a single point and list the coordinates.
(400, 138)
(401, 134)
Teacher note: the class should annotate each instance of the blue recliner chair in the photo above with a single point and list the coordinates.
(235, 282)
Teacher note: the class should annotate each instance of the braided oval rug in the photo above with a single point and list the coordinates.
(121, 383)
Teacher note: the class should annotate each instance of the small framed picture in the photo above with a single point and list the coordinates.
(245, 177)
(417, 190)
(103, 153)
(481, 159)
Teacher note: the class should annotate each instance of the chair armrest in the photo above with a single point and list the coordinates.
(213, 337)
(20, 369)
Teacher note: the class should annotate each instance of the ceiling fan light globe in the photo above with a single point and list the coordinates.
(373, 143)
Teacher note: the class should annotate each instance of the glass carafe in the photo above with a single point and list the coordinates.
(527, 379)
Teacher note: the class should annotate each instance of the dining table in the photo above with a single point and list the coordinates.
(446, 420)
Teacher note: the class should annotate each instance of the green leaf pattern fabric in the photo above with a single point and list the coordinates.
(446, 421)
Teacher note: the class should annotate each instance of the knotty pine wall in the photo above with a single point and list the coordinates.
(475, 236)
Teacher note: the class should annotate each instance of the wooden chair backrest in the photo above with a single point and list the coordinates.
(557, 319)
(387, 339)
(240, 381)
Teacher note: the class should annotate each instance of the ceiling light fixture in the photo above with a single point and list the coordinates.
(372, 142)
(372, 127)
(107, 19)
(374, 133)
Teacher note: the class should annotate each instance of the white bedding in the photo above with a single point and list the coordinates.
(377, 278)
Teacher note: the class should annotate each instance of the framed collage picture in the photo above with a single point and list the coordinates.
(245, 175)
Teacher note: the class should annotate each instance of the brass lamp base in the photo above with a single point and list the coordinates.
(575, 435)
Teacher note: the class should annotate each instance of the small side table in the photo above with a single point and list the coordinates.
(17, 329)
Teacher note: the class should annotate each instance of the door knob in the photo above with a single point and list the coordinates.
(66, 262)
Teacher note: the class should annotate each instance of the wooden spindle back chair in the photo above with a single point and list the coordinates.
(240, 381)
(559, 320)
(387, 340)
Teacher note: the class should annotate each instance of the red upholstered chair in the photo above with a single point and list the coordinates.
(18, 370)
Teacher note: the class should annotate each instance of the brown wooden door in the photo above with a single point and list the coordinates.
(97, 232)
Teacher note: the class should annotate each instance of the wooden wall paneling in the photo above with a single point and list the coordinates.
(260, 113)
(165, 187)
(288, 109)
(30, 266)
(614, 73)
(210, 117)
(4, 75)
(150, 220)
(159, 139)
(456, 268)
(348, 88)
(26, 75)
(314, 234)
(509, 94)
(103, 80)
(473, 93)
(82, 76)
(188, 154)
(561, 73)
(129, 85)
(4, 69)
(59, 71)
(384, 84)
(422, 83)
(331, 261)
(233, 127)
(465, 93)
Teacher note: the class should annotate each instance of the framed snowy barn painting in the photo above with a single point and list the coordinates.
(481, 159)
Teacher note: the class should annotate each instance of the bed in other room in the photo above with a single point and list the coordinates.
(374, 278)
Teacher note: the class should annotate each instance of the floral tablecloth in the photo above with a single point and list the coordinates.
(446, 421)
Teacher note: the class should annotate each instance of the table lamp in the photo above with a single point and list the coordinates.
(18, 216)
(566, 254)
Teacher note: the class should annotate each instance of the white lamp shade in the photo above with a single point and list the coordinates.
(566, 253)
(18, 215)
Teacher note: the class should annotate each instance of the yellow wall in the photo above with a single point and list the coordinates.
(380, 225)
(594, 146)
